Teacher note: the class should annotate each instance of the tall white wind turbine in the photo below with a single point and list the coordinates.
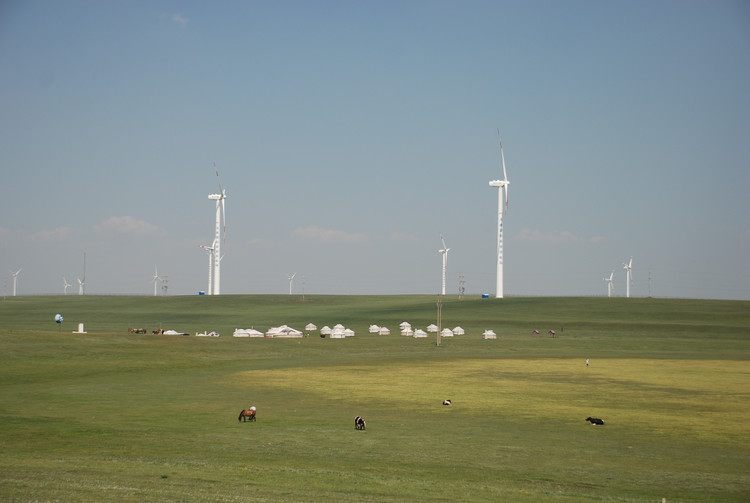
(80, 286)
(210, 251)
(15, 279)
(444, 253)
(502, 196)
(628, 275)
(216, 246)
(65, 285)
(155, 279)
(290, 277)
(610, 283)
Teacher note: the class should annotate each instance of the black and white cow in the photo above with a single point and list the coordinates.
(359, 423)
(446, 402)
(595, 420)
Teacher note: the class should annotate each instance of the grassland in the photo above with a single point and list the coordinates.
(111, 416)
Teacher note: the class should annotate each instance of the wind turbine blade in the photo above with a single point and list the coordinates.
(443, 240)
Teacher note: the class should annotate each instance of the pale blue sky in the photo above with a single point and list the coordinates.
(349, 135)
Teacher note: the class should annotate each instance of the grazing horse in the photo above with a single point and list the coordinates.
(595, 420)
(359, 423)
(446, 402)
(247, 415)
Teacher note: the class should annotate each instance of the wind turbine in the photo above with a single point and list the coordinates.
(500, 184)
(216, 246)
(210, 251)
(15, 279)
(291, 278)
(65, 285)
(628, 275)
(80, 286)
(444, 252)
(156, 278)
(610, 283)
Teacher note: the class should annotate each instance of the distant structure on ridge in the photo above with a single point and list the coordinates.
(444, 253)
(628, 275)
(214, 251)
(502, 195)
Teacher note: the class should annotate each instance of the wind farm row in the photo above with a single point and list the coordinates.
(215, 254)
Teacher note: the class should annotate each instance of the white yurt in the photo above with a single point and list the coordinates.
(247, 332)
(432, 328)
(404, 324)
(310, 327)
(407, 332)
(446, 332)
(420, 334)
(384, 331)
(348, 332)
(374, 329)
(338, 333)
(283, 331)
(489, 334)
(458, 331)
(326, 330)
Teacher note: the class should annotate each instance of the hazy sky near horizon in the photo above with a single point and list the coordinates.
(350, 135)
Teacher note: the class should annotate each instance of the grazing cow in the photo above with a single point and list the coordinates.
(595, 420)
(359, 423)
(446, 402)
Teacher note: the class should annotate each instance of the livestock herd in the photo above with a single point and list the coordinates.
(359, 421)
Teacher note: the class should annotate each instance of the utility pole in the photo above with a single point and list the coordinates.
(461, 286)
(439, 317)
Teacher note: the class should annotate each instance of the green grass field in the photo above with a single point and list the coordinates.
(112, 416)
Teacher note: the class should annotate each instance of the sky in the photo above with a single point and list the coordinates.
(350, 135)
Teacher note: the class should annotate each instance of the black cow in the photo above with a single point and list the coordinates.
(595, 420)
(359, 423)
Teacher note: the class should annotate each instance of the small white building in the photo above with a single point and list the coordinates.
(446, 332)
(338, 333)
(374, 329)
(283, 331)
(420, 334)
(432, 328)
(310, 327)
(458, 331)
(348, 332)
(489, 334)
(408, 332)
(326, 330)
(247, 332)
(384, 331)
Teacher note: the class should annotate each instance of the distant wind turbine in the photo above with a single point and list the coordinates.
(214, 287)
(80, 286)
(65, 285)
(444, 253)
(610, 283)
(501, 209)
(291, 278)
(15, 279)
(628, 275)
(156, 278)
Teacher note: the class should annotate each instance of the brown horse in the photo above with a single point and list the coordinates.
(247, 415)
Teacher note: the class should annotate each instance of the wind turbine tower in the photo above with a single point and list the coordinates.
(628, 275)
(610, 283)
(502, 197)
(291, 278)
(15, 279)
(156, 278)
(444, 253)
(214, 287)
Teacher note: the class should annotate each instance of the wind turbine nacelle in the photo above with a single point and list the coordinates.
(214, 197)
(498, 183)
